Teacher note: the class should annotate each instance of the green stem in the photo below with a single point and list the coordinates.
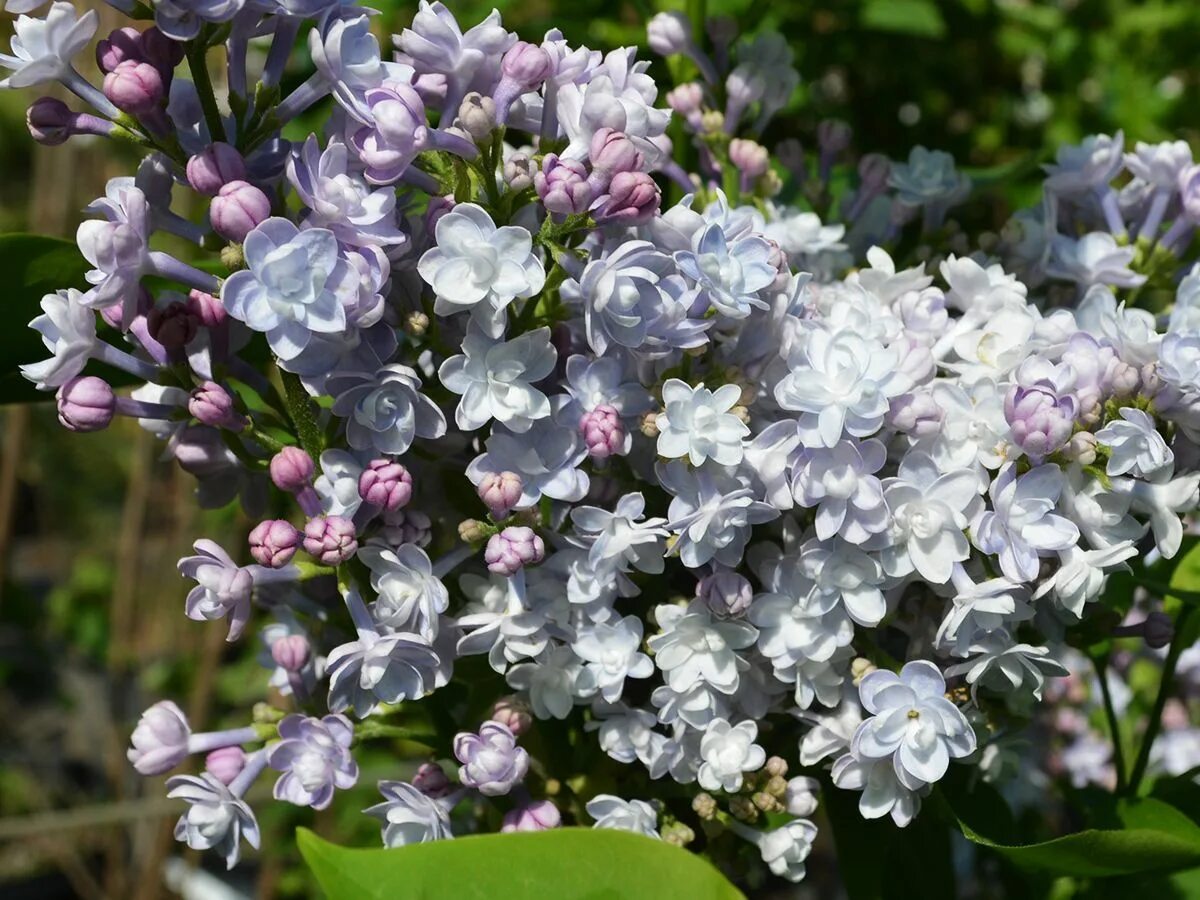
(1110, 713)
(268, 442)
(369, 730)
(208, 100)
(300, 410)
(1178, 644)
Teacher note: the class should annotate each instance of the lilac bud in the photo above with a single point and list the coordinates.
(492, 763)
(135, 87)
(725, 592)
(1189, 192)
(49, 121)
(406, 526)
(500, 492)
(212, 405)
(291, 652)
(777, 259)
(225, 763)
(688, 100)
(477, 116)
(214, 167)
(563, 186)
(632, 199)
(669, 33)
(611, 151)
(238, 209)
(513, 548)
(1148, 381)
(207, 309)
(174, 325)
(385, 484)
(161, 51)
(874, 169)
(274, 542)
(121, 45)
(800, 798)
(86, 403)
(749, 157)
(431, 780)
(1081, 448)
(438, 207)
(514, 714)
(160, 740)
(603, 432)
(1158, 630)
(330, 539)
(291, 469)
(833, 137)
(1041, 422)
(519, 170)
(537, 816)
(527, 64)
(917, 414)
(1175, 715)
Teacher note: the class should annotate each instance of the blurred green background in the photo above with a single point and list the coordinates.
(91, 623)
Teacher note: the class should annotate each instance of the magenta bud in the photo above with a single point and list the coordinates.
(214, 167)
(292, 469)
(430, 779)
(500, 492)
(174, 325)
(602, 431)
(562, 185)
(225, 763)
(291, 652)
(212, 405)
(611, 151)
(273, 543)
(49, 121)
(134, 87)
(206, 308)
(86, 403)
(526, 64)
(330, 540)
(385, 484)
(123, 44)
(537, 816)
(511, 712)
(632, 199)
(512, 549)
(238, 209)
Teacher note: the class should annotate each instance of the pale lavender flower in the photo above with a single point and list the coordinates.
(492, 763)
(314, 756)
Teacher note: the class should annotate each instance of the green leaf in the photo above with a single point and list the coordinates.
(563, 863)
(1156, 838)
(33, 266)
(916, 17)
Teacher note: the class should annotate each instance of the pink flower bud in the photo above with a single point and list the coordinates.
(121, 45)
(603, 432)
(526, 64)
(749, 157)
(49, 121)
(86, 403)
(688, 100)
(430, 779)
(385, 484)
(291, 469)
(291, 652)
(225, 763)
(512, 549)
(174, 325)
(207, 309)
(238, 209)
(917, 414)
(273, 543)
(500, 492)
(212, 405)
(330, 540)
(563, 186)
(214, 167)
(537, 816)
(632, 199)
(134, 87)
(611, 151)
(513, 713)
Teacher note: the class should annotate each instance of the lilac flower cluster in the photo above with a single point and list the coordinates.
(696, 475)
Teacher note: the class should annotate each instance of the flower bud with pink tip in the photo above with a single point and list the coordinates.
(211, 404)
(385, 484)
(273, 543)
(512, 549)
(537, 816)
(524, 67)
(86, 403)
(291, 652)
(632, 199)
(500, 492)
(330, 540)
(292, 471)
(603, 432)
(225, 763)
(135, 87)
(238, 209)
(512, 712)
(214, 167)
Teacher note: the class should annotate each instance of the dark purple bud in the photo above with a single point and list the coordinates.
(430, 779)
(385, 484)
(120, 46)
(563, 186)
(161, 51)
(206, 308)
(632, 199)
(174, 325)
(238, 209)
(291, 652)
(86, 403)
(214, 167)
(537, 816)
(135, 87)
(212, 405)
(49, 121)
(292, 469)
(330, 539)
(725, 592)
(273, 543)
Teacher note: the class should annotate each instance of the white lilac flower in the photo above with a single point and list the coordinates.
(42, 49)
(785, 849)
(554, 681)
(927, 178)
(1095, 258)
(1135, 447)
(498, 621)
(337, 485)
(728, 751)
(795, 621)
(730, 273)
(1159, 164)
(818, 682)
(223, 588)
(409, 596)
(883, 791)
(602, 381)
(217, 818)
(912, 723)
(612, 655)
(930, 513)
(546, 457)
(697, 423)
(384, 410)
(980, 608)
(314, 756)
(491, 761)
(380, 669)
(1086, 167)
(621, 294)
(622, 539)
(1132, 331)
(1021, 526)
(627, 735)
(295, 284)
(479, 267)
(68, 329)
(693, 647)
(997, 662)
(842, 382)
(636, 816)
(693, 707)
(496, 378)
(712, 513)
(617, 96)
(1163, 503)
(410, 816)
(1082, 575)
(118, 247)
(840, 482)
(845, 574)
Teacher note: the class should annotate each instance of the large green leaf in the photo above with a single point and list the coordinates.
(33, 266)
(563, 863)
